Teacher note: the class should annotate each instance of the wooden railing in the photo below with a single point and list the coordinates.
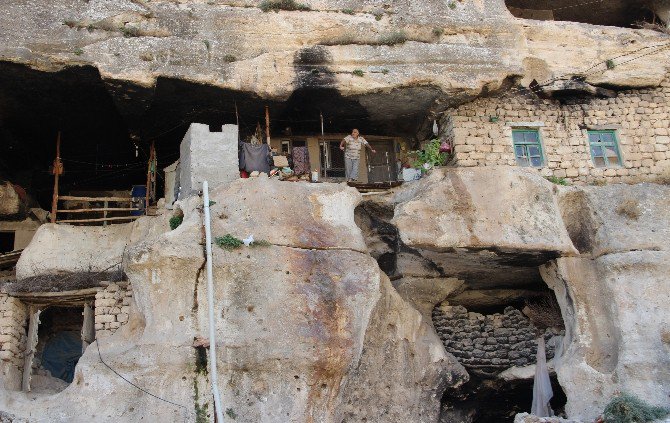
(104, 210)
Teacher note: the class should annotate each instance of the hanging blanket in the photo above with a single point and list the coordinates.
(255, 158)
(301, 161)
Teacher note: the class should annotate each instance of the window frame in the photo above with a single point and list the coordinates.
(525, 145)
(615, 143)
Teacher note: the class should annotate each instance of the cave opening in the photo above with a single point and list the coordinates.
(107, 126)
(621, 13)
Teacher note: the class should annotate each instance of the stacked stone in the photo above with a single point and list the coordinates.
(496, 341)
(112, 307)
(13, 330)
(482, 133)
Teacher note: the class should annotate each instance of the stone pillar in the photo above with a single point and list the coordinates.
(13, 314)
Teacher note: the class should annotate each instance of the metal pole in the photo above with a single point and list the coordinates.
(210, 301)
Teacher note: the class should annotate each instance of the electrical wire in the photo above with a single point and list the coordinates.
(97, 343)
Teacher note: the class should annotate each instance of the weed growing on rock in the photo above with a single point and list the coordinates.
(207, 45)
(630, 209)
(277, 5)
(437, 32)
(175, 221)
(231, 413)
(129, 31)
(393, 38)
(556, 180)
(452, 5)
(229, 58)
(260, 243)
(348, 11)
(358, 72)
(78, 52)
(627, 408)
(228, 242)
(378, 14)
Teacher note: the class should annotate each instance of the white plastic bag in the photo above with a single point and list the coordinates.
(542, 391)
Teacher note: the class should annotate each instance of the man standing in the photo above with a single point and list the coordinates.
(354, 144)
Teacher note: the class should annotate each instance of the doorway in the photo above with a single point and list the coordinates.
(332, 159)
(7, 242)
(382, 164)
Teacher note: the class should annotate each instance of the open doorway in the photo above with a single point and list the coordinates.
(7, 241)
(57, 337)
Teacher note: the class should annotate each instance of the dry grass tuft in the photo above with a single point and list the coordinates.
(630, 209)
(544, 312)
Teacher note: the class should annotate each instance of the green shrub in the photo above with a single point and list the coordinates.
(78, 52)
(231, 413)
(378, 14)
(229, 58)
(627, 408)
(129, 31)
(395, 37)
(228, 242)
(175, 221)
(277, 5)
(452, 5)
(358, 72)
(430, 155)
(348, 11)
(556, 180)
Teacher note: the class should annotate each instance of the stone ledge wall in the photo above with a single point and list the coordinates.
(112, 307)
(497, 341)
(641, 118)
(13, 324)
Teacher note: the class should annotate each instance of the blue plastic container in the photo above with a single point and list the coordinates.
(139, 194)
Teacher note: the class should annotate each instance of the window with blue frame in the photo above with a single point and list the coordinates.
(604, 148)
(527, 147)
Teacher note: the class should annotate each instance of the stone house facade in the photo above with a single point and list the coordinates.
(585, 140)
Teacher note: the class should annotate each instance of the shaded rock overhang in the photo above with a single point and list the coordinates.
(115, 75)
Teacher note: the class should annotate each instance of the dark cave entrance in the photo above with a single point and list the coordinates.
(107, 126)
(60, 344)
(622, 13)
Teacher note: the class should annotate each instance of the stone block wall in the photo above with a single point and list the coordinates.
(112, 307)
(13, 324)
(207, 156)
(482, 133)
(496, 341)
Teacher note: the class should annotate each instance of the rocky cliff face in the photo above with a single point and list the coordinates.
(310, 328)
(411, 57)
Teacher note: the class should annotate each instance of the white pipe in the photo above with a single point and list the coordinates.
(210, 300)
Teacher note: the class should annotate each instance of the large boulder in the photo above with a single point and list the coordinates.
(617, 218)
(308, 327)
(617, 328)
(490, 226)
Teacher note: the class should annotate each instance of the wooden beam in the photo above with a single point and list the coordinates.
(31, 343)
(111, 199)
(85, 292)
(58, 168)
(102, 219)
(267, 123)
(105, 209)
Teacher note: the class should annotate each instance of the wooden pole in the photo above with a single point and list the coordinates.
(58, 169)
(148, 186)
(237, 121)
(267, 123)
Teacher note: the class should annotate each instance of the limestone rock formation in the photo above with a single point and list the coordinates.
(309, 328)
(414, 56)
(449, 218)
(614, 297)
